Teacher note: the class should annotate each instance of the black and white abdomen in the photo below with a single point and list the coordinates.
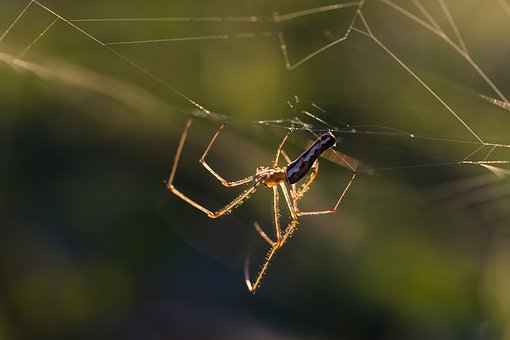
(298, 169)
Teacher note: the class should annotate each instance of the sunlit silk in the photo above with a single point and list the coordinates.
(502, 104)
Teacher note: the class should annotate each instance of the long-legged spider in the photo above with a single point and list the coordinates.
(272, 177)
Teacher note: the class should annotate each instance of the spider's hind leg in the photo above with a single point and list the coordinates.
(304, 188)
(330, 211)
(276, 221)
(281, 237)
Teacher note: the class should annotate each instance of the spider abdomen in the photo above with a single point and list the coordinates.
(298, 169)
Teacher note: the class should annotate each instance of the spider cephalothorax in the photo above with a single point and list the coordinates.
(271, 176)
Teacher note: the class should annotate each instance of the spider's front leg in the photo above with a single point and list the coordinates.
(280, 150)
(223, 181)
(229, 207)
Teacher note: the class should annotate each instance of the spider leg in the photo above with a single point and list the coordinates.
(304, 188)
(179, 150)
(252, 287)
(202, 161)
(263, 234)
(292, 205)
(226, 209)
(276, 221)
(322, 212)
(279, 150)
(288, 160)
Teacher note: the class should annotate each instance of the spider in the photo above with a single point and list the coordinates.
(273, 177)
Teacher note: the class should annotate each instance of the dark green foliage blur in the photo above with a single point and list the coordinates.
(93, 246)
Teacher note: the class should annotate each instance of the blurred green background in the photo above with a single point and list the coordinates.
(93, 246)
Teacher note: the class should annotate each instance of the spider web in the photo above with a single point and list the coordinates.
(278, 28)
(414, 89)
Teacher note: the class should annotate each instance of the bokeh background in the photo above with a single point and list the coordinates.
(93, 246)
